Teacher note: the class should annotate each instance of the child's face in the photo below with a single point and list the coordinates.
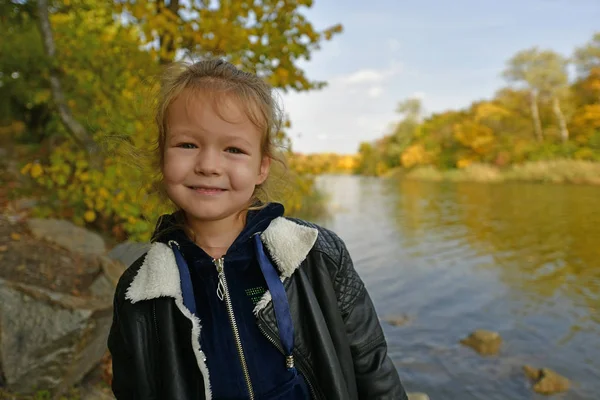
(211, 163)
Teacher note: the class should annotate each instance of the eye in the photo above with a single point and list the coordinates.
(186, 145)
(234, 150)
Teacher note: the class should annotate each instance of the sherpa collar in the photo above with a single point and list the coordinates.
(287, 242)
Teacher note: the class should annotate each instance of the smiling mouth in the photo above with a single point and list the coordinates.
(206, 190)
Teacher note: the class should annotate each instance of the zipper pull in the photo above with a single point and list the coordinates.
(221, 286)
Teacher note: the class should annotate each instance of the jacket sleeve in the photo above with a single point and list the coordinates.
(376, 375)
(122, 362)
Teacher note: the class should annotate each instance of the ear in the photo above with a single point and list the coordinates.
(265, 167)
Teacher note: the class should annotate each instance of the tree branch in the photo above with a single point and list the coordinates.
(74, 128)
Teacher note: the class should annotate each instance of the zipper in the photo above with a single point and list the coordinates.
(300, 363)
(223, 294)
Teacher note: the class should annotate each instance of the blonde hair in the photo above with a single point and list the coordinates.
(219, 79)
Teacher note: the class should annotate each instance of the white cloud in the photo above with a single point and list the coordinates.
(375, 91)
(369, 75)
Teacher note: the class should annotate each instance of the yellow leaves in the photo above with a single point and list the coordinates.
(103, 193)
(15, 236)
(489, 111)
(414, 155)
(475, 136)
(89, 216)
(464, 162)
(36, 170)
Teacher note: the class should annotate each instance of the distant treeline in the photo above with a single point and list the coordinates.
(540, 116)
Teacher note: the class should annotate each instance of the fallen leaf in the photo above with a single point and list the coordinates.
(3, 248)
(15, 236)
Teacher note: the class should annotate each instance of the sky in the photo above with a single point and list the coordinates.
(449, 53)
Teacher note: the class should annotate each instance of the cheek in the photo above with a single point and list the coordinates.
(174, 169)
(244, 176)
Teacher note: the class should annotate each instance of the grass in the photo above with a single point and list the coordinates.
(555, 171)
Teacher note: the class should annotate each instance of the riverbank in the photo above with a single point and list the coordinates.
(556, 171)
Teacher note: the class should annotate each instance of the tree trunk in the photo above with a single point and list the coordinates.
(75, 129)
(535, 114)
(564, 132)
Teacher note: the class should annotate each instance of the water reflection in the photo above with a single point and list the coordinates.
(543, 238)
(521, 259)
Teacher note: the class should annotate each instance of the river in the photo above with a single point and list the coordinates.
(519, 259)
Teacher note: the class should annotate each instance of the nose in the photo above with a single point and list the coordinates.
(208, 162)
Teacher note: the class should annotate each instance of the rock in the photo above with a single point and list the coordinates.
(25, 204)
(417, 396)
(397, 320)
(67, 235)
(49, 340)
(103, 287)
(484, 342)
(96, 393)
(546, 381)
(112, 270)
(126, 253)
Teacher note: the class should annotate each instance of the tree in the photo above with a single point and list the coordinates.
(544, 74)
(587, 57)
(411, 108)
(266, 37)
(553, 83)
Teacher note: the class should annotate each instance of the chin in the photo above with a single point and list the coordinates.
(208, 213)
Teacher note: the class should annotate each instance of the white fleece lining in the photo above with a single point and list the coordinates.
(287, 242)
(157, 277)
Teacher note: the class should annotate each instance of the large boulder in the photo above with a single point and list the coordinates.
(67, 235)
(49, 340)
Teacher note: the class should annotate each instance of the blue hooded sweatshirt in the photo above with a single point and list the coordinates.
(270, 378)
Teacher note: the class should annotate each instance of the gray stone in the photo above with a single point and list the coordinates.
(127, 252)
(102, 287)
(417, 396)
(67, 235)
(112, 269)
(49, 340)
(25, 204)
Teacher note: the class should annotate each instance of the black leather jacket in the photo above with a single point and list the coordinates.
(339, 344)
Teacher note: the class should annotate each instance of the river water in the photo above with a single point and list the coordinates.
(519, 259)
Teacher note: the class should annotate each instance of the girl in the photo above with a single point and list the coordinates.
(232, 300)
